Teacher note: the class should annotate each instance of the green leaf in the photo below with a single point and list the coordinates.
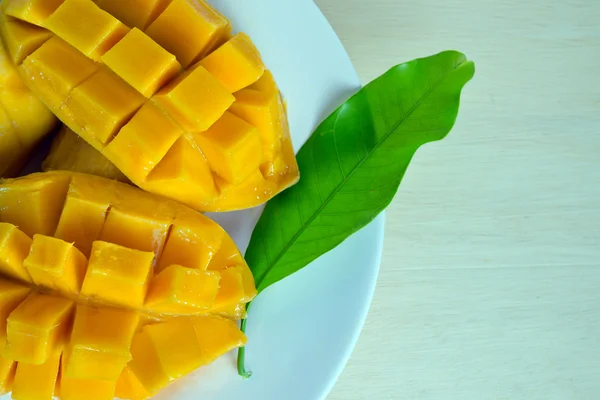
(354, 162)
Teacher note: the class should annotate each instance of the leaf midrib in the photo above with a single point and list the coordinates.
(351, 174)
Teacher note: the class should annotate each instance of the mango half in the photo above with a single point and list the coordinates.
(165, 92)
(119, 290)
(24, 119)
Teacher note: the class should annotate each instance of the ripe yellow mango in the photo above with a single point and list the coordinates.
(21, 38)
(7, 374)
(44, 375)
(85, 389)
(14, 248)
(160, 96)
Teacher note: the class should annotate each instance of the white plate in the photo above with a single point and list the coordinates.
(302, 330)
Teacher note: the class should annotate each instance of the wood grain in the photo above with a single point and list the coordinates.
(490, 284)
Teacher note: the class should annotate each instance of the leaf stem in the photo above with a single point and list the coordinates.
(241, 359)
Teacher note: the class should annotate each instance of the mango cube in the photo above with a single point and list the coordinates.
(143, 142)
(7, 375)
(181, 290)
(14, 248)
(228, 255)
(37, 328)
(183, 173)
(191, 247)
(87, 27)
(11, 152)
(103, 104)
(55, 69)
(195, 99)
(37, 382)
(134, 13)
(100, 341)
(11, 295)
(142, 63)
(260, 105)
(231, 289)
(33, 11)
(190, 29)
(71, 227)
(34, 203)
(129, 387)
(158, 359)
(55, 264)
(21, 39)
(217, 336)
(232, 147)
(237, 64)
(85, 389)
(136, 230)
(118, 275)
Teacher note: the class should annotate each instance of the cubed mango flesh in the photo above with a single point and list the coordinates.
(142, 63)
(157, 359)
(217, 336)
(118, 275)
(183, 173)
(55, 69)
(260, 105)
(129, 387)
(181, 290)
(231, 288)
(56, 265)
(21, 38)
(11, 150)
(81, 223)
(37, 382)
(134, 13)
(103, 103)
(11, 295)
(136, 231)
(85, 389)
(7, 374)
(190, 29)
(87, 27)
(143, 142)
(37, 328)
(99, 345)
(228, 255)
(34, 203)
(195, 99)
(185, 246)
(236, 64)
(33, 11)
(14, 248)
(232, 147)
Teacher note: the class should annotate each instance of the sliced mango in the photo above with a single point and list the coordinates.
(231, 288)
(87, 27)
(69, 152)
(129, 387)
(85, 389)
(181, 290)
(21, 38)
(103, 103)
(196, 99)
(143, 142)
(134, 13)
(37, 382)
(56, 265)
(37, 328)
(14, 248)
(32, 11)
(217, 336)
(232, 147)
(7, 374)
(202, 26)
(142, 63)
(11, 295)
(99, 345)
(118, 275)
(237, 64)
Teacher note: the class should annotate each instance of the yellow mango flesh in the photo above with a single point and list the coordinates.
(37, 328)
(87, 27)
(142, 63)
(195, 20)
(55, 264)
(69, 152)
(33, 11)
(134, 13)
(21, 38)
(14, 248)
(134, 327)
(237, 64)
(7, 374)
(99, 346)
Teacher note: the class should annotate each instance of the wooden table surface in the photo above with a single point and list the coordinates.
(490, 283)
